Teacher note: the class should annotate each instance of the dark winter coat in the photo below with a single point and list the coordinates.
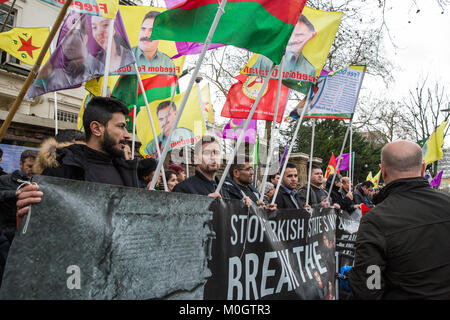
(360, 197)
(406, 238)
(235, 192)
(4, 248)
(199, 184)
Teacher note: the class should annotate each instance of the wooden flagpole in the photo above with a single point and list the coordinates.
(34, 71)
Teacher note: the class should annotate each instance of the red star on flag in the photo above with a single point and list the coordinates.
(27, 46)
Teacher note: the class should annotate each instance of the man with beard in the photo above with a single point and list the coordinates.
(146, 52)
(239, 181)
(208, 158)
(100, 160)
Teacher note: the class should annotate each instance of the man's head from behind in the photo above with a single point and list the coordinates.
(290, 177)
(146, 169)
(105, 125)
(145, 44)
(401, 159)
(303, 32)
(70, 135)
(241, 171)
(26, 162)
(208, 155)
(166, 115)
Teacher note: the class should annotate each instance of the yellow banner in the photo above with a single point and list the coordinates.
(152, 57)
(190, 128)
(307, 49)
(25, 43)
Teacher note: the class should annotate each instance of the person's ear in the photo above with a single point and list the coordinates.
(97, 129)
(423, 168)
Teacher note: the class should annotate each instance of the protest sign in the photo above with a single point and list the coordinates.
(152, 56)
(306, 51)
(256, 254)
(97, 241)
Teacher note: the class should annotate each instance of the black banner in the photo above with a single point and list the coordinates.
(258, 254)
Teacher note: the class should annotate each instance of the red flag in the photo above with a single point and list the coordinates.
(331, 166)
(242, 95)
(364, 208)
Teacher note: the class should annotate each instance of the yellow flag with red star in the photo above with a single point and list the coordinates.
(25, 43)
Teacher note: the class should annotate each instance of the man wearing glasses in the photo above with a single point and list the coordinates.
(239, 180)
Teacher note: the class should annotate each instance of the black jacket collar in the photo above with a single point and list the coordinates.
(400, 185)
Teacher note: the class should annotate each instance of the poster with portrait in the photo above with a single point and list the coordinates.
(306, 51)
(190, 129)
(152, 56)
(81, 52)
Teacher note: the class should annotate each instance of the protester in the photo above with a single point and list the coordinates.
(286, 194)
(181, 175)
(208, 158)
(345, 201)
(239, 180)
(8, 188)
(146, 170)
(268, 192)
(274, 179)
(362, 192)
(47, 152)
(402, 247)
(100, 160)
(2, 172)
(171, 178)
(345, 188)
(317, 194)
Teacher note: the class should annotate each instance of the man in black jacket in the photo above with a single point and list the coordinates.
(2, 172)
(208, 158)
(286, 197)
(402, 246)
(239, 180)
(8, 187)
(317, 195)
(362, 192)
(100, 160)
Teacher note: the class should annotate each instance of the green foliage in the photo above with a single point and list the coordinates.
(329, 136)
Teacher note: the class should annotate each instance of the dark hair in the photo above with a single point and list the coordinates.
(205, 140)
(238, 164)
(145, 167)
(303, 19)
(150, 15)
(367, 184)
(291, 165)
(28, 154)
(70, 135)
(168, 173)
(330, 178)
(164, 105)
(1, 153)
(101, 109)
(272, 176)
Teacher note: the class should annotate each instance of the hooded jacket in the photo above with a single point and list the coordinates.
(403, 244)
(71, 162)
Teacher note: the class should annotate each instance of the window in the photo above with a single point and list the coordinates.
(8, 26)
(67, 116)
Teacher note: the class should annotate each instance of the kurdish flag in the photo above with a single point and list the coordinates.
(25, 43)
(261, 26)
(376, 179)
(432, 149)
(332, 164)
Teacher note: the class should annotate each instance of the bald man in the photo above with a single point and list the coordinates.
(403, 245)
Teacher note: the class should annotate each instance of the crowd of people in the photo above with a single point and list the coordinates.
(404, 233)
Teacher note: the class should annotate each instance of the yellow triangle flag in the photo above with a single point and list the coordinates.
(25, 43)
(432, 149)
(207, 105)
(376, 179)
(369, 176)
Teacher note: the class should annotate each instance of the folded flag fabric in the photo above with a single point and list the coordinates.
(233, 129)
(345, 161)
(432, 149)
(261, 26)
(376, 179)
(25, 44)
(242, 95)
(436, 182)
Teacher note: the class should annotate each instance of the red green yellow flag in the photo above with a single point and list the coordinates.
(332, 164)
(25, 43)
(261, 26)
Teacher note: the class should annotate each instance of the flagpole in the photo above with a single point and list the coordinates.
(187, 160)
(310, 161)
(350, 169)
(340, 158)
(272, 130)
(7, 17)
(291, 144)
(219, 13)
(244, 129)
(55, 96)
(134, 132)
(34, 71)
(108, 58)
(152, 124)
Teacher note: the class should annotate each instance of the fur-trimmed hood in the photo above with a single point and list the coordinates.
(47, 155)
